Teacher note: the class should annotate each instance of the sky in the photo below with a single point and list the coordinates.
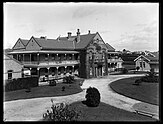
(130, 26)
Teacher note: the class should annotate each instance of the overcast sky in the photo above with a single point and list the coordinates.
(131, 26)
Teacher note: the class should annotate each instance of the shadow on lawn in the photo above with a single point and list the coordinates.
(87, 104)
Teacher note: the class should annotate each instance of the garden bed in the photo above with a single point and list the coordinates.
(45, 91)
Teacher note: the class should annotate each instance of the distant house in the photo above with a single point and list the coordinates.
(129, 61)
(12, 68)
(146, 62)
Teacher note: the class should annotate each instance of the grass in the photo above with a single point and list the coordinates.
(146, 92)
(129, 72)
(105, 112)
(44, 91)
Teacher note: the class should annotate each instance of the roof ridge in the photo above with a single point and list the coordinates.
(80, 35)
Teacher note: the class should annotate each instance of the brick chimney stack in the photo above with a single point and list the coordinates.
(78, 35)
(69, 34)
(89, 31)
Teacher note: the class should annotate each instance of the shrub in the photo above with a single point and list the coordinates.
(137, 81)
(61, 112)
(63, 88)
(150, 79)
(21, 83)
(124, 71)
(52, 83)
(151, 73)
(137, 68)
(68, 79)
(92, 97)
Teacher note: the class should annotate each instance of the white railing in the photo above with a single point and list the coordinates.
(114, 60)
(64, 62)
(30, 63)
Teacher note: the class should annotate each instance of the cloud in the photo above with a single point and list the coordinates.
(104, 31)
(145, 38)
(84, 12)
(40, 30)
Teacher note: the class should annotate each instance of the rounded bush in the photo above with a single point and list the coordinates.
(124, 71)
(137, 82)
(150, 79)
(92, 97)
(52, 83)
(63, 88)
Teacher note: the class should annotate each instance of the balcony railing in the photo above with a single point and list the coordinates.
(99, 60)
(114, 60)
(43, 63)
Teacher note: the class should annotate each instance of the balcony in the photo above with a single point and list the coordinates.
(99, 60)
(45, 63)
(114, 60)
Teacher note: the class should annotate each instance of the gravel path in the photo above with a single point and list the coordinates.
(33, 109)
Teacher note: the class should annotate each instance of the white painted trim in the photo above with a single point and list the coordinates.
(141, 56)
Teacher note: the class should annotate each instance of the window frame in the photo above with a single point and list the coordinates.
(9, 72)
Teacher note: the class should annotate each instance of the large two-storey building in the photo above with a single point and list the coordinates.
(86, 55)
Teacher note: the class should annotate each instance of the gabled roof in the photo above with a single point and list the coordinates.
(149, 58)
(110, 48)
(152, 58)
(65, 43)
(85, 39)
(140, 57)
(54, 44)
(24, 41)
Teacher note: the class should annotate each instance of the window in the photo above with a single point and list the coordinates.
(141, 64)
(144, 64)
(91, 72)
(46, 57)
(19, 58)
(10, 74)
(53, 56)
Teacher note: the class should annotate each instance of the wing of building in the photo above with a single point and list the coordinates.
(12, 67)
(148, 61)
(85, 55)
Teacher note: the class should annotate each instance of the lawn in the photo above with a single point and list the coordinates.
(146, 92)
(129, 72)
(44, 91)
(105, 112)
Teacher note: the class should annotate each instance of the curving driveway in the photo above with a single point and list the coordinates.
(33, 109)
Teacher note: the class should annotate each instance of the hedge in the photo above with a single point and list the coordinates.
(21, 83)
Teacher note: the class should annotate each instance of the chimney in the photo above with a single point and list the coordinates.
(69, 34)
(89, 31)
(78, 35)
(42, 37)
